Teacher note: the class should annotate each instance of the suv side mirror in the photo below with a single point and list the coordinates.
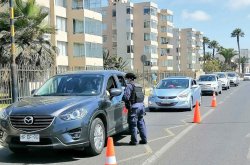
(115, 92)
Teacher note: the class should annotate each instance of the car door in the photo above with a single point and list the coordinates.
(123, 85)
(115, 110)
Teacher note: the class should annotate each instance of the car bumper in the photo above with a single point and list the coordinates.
(59, 135)
(246, 78)
(177, 103)
(209, 89)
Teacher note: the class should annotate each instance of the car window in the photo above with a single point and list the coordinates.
(207, 78)
(231, 74)
(111, 83)
(121, 80)
(194, 82)
(72, 85)
(173, 84)
(221, 75)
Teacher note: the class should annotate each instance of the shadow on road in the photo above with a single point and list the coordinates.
(42, 156)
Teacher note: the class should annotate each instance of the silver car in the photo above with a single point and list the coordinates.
(224, 80)
(234, 78)
(175, 93)
(210, 83)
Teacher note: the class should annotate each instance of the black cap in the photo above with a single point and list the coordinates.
(130, 76)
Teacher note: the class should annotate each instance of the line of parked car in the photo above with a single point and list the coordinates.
(183, 92)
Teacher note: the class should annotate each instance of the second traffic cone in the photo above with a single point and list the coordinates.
(213, 103)
(197, 116)
(110, 153)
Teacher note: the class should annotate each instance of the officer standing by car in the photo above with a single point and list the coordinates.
(136, 112)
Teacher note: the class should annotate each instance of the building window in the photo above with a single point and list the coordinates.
(154, 62)
(130, 49)
(79, 50)
(62, 3)
(93, 50)
(166, 18)
(164, 40)
(129, 10)
(78, 26)
(113, 13)
(104, 38)
(129, 23)
(93, 26)
(130, 36)
(146, 24)
(61, 23)
(150, 11)
(77, 4)
(170, 63)
(62, 48)
(177, 50)
(165, 52)
(146, 36)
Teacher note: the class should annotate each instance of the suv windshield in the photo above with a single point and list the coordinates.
(72, 85)
(173, 84)
(207, 78)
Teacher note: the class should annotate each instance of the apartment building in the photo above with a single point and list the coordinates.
(78, 35)
(191, 49)
(165, 43)
(135, 29)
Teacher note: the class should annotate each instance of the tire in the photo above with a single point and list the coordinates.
(18, 150)
(220, 92)
(97, 137)
(151, 109)
(216, 93)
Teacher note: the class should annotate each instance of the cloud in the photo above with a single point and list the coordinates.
(238, 4)
(197, 15)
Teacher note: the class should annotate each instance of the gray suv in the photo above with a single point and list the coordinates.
(75, 110)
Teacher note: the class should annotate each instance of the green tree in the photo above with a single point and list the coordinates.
(30, 26)
(213, 65)
(204, 43)
(213, 45)
(228, 54)
(113, 62)
(207, 57)
(238, 33)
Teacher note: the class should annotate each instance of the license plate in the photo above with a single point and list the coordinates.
(166, 101)
(29, 137)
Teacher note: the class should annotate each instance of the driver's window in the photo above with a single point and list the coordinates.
(193, 82)
(111, 84)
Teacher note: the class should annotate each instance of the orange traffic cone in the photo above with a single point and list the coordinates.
(197, 116)
(213, 103)
(110, 153)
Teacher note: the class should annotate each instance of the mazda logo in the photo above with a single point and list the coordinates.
(28, 120)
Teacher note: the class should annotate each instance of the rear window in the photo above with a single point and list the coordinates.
(247, 74)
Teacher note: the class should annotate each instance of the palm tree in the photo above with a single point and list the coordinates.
(207, 57)
(228, 54)
(113, 62)
(213, 45)
(243, 61)
(31, 47)
(204, 43)
(238, 33)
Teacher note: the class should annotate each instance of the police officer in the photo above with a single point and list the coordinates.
(136, 113)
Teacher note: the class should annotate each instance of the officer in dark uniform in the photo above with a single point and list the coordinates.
(136, 113)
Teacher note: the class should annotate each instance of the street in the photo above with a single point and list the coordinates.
(222, 138)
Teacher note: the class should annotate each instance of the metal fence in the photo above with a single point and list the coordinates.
(32, 78)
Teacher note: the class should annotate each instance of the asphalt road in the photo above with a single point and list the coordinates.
(222, 138)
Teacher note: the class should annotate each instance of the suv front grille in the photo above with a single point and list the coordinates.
(39, 123)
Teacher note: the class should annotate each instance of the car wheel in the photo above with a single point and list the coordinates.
(220, 92)
(216, 93)
(18, 150)
(228, 87)
(97, 137)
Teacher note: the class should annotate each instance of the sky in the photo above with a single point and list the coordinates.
(215, 18)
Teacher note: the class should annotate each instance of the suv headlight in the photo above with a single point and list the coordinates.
(74, 114)
(3, 114)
